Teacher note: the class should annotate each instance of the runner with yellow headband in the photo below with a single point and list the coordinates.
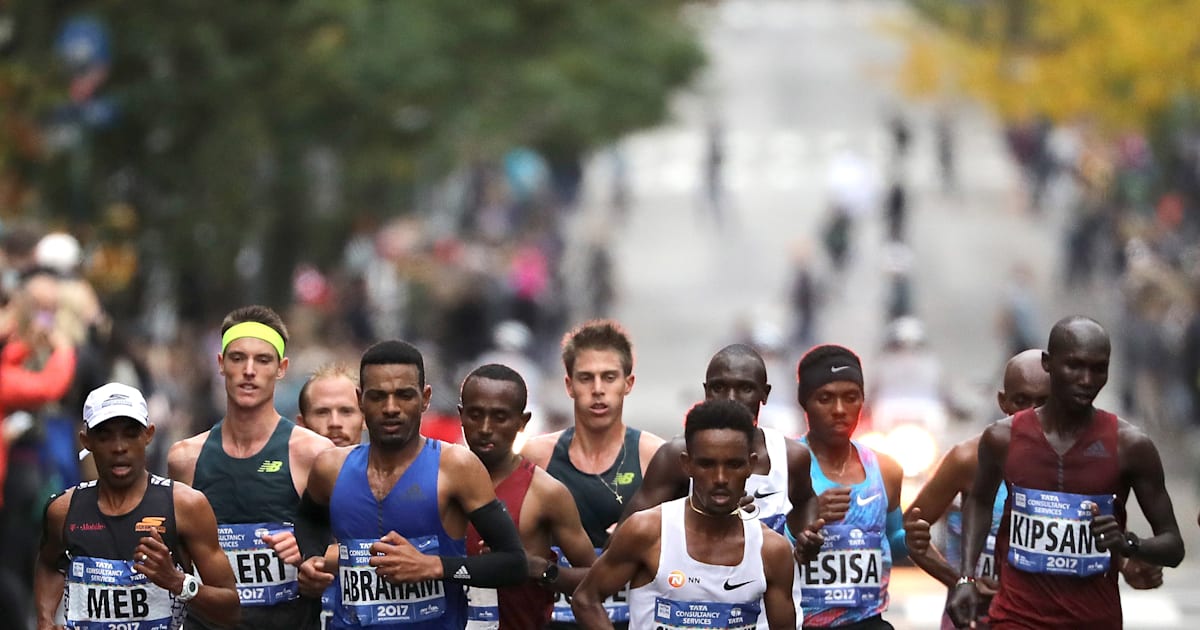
(254, 330)
(253, 466)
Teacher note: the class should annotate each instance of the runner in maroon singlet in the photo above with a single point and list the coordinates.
(1069, 468)
(493, 412)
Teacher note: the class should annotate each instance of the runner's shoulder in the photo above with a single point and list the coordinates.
(549, 492)
(307, 443)
(182, 456)
(648, 445)
(540, 448)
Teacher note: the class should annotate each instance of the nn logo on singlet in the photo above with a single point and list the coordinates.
(270, 466)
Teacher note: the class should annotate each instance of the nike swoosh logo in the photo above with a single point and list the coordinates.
(730, 587)
(835, 370)
(759, 495)
(867, 501)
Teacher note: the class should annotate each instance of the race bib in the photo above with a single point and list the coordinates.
(672, 615)
(105, 594)
(1051, 533)
(369, 600)
(776, 523)
(986, 567)
(329, 601)
(616, 605)
(848, 573)
(483, 608)
(263, 579)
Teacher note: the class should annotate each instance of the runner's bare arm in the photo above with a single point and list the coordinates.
(626, 554)
(977, 517)
(48, 578)
(663, 480)
(566, 531)
(977, 508)
(805, 503)
(303, 448)
(182, 456)
(648, 445)
(955, 471)
(1165, 548)
(473, 493)
(539, 449)
(217, 600)
(778, 569)
(312, 517)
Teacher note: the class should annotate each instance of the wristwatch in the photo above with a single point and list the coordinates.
(191, 586)
(1132, 544)
(964, 580)
(549, 574)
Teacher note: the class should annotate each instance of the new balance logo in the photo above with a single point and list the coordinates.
(270, 466)
(1096, 449)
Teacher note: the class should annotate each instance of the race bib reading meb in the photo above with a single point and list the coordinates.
(103, 594)
(1051, 533)
(263, 579)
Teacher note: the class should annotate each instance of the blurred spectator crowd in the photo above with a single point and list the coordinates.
(488, 283)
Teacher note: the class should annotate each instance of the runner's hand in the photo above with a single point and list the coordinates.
(1142, 575)
(916, 532)
(153, 559)
(1108, 532)
(963, 604)
(987, 586)
(808, 543)
(397, 560)
(833, 504)
(312, 577)
(285, 546)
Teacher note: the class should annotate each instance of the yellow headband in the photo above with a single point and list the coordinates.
(255, 330)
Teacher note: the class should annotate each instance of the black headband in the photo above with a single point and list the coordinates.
(824, 365)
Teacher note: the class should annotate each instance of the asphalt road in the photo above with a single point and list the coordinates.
(793, 84)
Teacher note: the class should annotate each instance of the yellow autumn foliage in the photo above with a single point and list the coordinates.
(1117, 62)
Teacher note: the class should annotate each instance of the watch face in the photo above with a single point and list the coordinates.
(550, 574)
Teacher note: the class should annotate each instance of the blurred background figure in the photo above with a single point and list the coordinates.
(852, 188)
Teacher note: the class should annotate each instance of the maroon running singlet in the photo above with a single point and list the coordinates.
(520, 607)
(1052, 573)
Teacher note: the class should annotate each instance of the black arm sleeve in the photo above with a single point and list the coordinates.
(312, 527)
(504, 566)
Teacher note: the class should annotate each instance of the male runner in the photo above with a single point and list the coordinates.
(118, 551)
(1026, 385)
(253, 466)
(845, 586)
(493, 412)
(780, 478)
(1069, 468)
(399, 508)
(692, 562)
(600, 460)
(329, 404)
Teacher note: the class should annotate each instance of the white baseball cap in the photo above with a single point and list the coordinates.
(115, 400)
